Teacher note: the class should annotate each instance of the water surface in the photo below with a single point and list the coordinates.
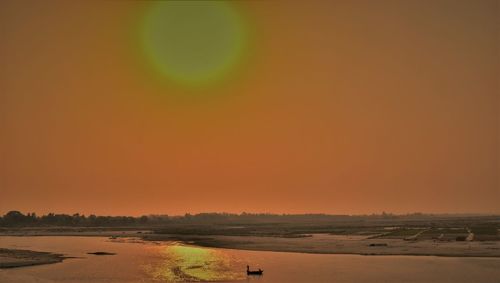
(138, 261)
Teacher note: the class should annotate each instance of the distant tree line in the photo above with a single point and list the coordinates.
(18, 219)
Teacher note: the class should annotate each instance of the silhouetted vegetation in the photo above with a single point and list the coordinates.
(256, 223)
(17, 219)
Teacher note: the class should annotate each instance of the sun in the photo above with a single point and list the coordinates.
(194, 42)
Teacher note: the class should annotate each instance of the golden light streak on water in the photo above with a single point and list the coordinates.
(181, 263)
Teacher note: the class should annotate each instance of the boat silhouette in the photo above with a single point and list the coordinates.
(254, 272)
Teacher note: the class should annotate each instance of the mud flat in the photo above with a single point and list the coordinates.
(10, 258)
(335, 244)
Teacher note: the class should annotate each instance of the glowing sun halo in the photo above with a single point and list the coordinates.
(193, 42)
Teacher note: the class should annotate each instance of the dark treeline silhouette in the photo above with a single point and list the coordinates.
(18, 219)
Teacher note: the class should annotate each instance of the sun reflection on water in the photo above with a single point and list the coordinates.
(182, 263)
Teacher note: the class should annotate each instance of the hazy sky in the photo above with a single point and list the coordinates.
(334, 107)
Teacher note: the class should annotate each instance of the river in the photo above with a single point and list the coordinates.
(138, 261)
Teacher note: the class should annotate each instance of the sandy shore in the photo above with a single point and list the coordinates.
(317, 243)
(10, 258)
(335, 244)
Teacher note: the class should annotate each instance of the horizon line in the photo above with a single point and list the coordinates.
(269, 213)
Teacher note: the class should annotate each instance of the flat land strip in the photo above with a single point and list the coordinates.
(10, 258)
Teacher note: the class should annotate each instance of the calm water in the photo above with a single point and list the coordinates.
(137, 261)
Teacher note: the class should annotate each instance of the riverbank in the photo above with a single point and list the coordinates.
(10, 258)
(339, 244)
(320, 243)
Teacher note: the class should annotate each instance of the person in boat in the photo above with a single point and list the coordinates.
(254, 272)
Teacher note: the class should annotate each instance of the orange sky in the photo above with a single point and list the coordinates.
(338, 107)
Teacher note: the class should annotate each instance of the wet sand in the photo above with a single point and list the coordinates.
(337, 244)
(10, 258)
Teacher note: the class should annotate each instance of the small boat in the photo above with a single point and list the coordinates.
(254, 272)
